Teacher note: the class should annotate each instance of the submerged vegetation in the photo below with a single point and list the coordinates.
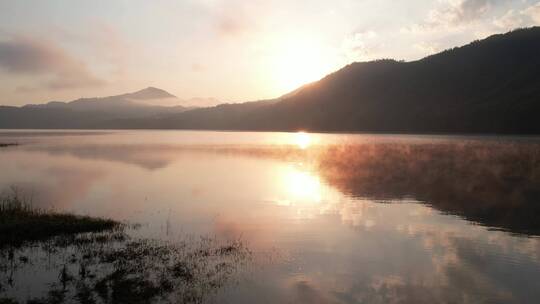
(115, 268)
(92, 260)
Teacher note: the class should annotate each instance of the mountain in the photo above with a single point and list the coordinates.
(488, 86)
(155, 96)
(149, 93)
(89, 112)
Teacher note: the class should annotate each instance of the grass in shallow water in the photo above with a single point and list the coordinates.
(93, 260)
(20, 222)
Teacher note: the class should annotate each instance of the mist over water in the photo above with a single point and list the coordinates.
(330, 218)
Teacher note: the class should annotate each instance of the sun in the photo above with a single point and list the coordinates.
(297, 60)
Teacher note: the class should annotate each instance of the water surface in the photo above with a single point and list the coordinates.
(332, 218)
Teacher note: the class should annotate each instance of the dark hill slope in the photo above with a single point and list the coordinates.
(488, 86)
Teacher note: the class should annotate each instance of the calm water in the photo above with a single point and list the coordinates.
(331, 218)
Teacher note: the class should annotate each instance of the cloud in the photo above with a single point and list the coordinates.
(105, 45)
(514, 19)
(533, 12)
(30, 56)
(428, 48)
(511, 19)
(470, 10)
(197, 67)
(236, 17)
(362, 46)
(461, 12)
(455, 14)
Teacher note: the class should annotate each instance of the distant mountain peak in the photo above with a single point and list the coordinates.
(149, 93)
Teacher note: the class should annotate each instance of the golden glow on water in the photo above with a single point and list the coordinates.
(316, 222)
(303, 140)
(302, 186)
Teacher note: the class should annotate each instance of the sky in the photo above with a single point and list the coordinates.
(233, 50)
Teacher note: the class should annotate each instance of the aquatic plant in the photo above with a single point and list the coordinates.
(20, 222)
(115, 268)
(100, 261)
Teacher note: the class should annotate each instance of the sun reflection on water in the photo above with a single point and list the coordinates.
(303, 140)
(302, 186)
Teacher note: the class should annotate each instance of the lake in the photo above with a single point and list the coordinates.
(330, 218)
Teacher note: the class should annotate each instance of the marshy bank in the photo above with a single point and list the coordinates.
(21, 223)
(51, 257)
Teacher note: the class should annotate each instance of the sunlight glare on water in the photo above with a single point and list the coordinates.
(302, 186)
(403, 219)
(303, 139)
